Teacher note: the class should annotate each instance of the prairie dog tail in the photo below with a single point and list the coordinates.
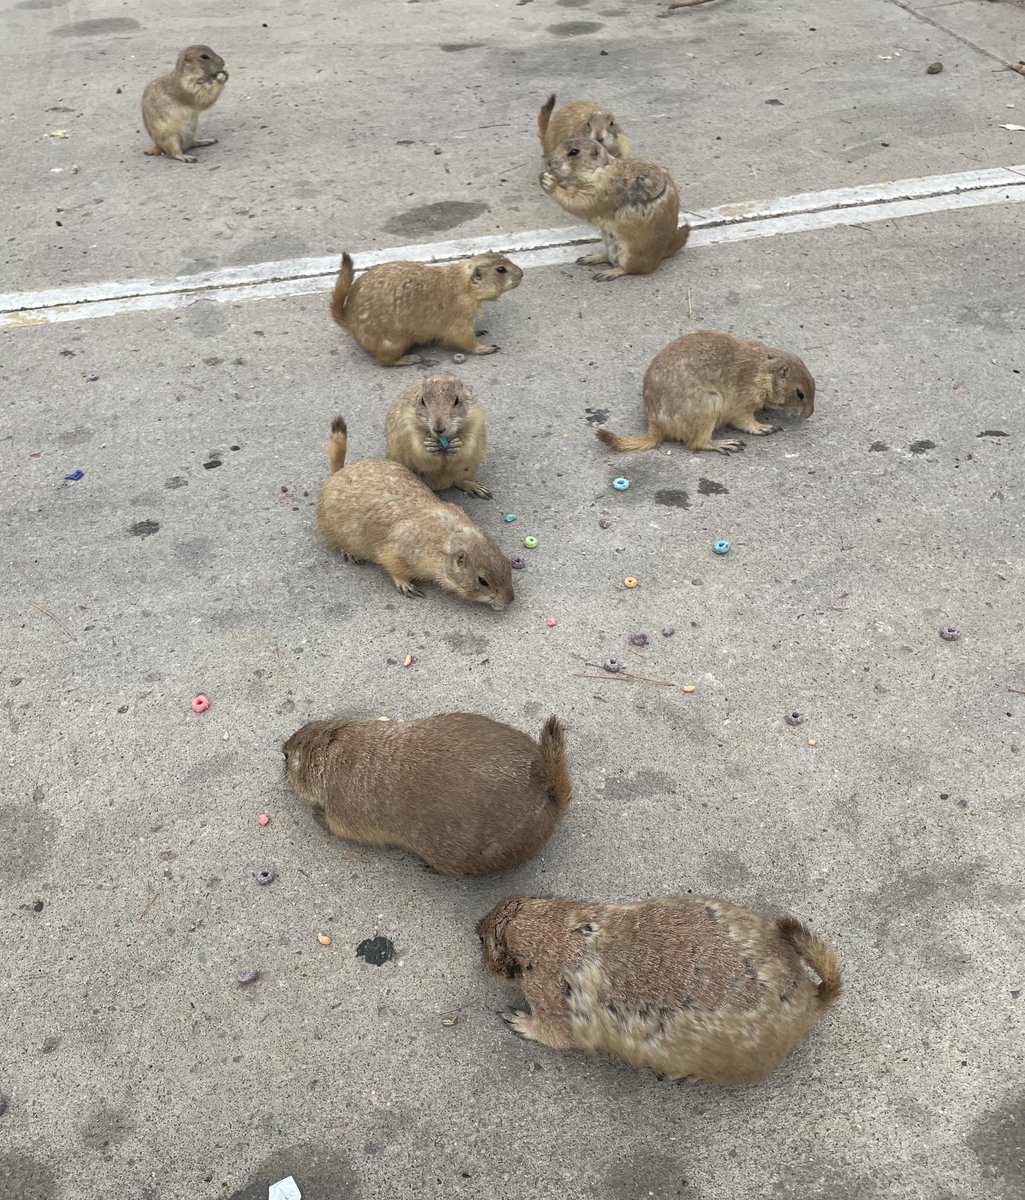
(338, 444)
(679, 241)
(553, 762)
(342, 284)
(817, 955)
(544, 116)
(618, 442)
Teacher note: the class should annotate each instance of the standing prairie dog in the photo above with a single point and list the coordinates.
(437, 429)
(379, 511)
(634, 203)
(402, 304)
(581, 119)
(706, 380)
(172, 103)
(467, 794)
(685, 985)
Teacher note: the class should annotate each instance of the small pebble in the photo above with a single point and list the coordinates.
(638, 639)
(263, 819)
(668, 631)
(323, 939)
(551, 622)
(200, 704)
(265, 875)
(949, 633)
(604, 523)
(630, 582)
(612, 665)
(530, 542)
(459, 358)
(245, 977)
(794, 718)
(934, 68)
(518, 564)
(510, 517)
(408, 660)
(722, 547)
(690, 688)
(621, 484)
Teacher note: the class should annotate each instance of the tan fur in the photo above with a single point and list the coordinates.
(440, 406)
(401, 304)
(685, 985)
(581, 119)
(171, 104)
(706, 380)
(378, 511)
(634, 203)
(467, 794)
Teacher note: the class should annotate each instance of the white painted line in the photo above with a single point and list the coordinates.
(539, 248)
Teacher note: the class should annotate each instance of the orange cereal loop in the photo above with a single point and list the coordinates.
(630, 582)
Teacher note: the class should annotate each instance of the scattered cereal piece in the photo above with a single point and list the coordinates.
(612, 665)
(668, 631)
(722, 547)
(263, 819)
(551, 622)
(950, 633)
(245, 977)
(384, 718)
(630, 582)
(459, 358)
(812, 742)
(408, 660)
(690, 688)
(200, 704)
(794, 718)
(323, 939)
(638, 639)
(621, 484)
(518, 564)
(530, 542)
(510, 517)
(76, 475)
(604, 523)
(266, 875)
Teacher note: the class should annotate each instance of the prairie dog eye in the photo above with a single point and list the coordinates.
(572, 153)
(501, 270)
(800, 394)
(482, 581)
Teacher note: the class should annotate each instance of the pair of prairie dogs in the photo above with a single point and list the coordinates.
(688, 986)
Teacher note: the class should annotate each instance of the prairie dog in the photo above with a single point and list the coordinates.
(172, 103)
(402, 304)
(685, 985)
(581, 119)
(379, 511)
(706, 380)
(634, 203)
(437, 429)
(467, 794)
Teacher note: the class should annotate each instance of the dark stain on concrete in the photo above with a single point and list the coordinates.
(376, 951)
(640, 787)
(575, 28)
(922, 446)
(176, 481)
(456, 47)
(877, 446)
(26, 1178)
(96, 27)
(434, 218)
(992, 433)
(466, 643)
(144, 529)
(672, 498)
(709, 487)
(318, 1172)
(27, 835)
(596, 416)
(997, 1139)
(107, 1126)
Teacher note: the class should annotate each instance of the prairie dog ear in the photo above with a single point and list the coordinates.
(783, 372)
(587, 929)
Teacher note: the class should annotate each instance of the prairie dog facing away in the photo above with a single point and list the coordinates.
(401, 304)
(172, 103)
(705, 380)
(634, 203)
(378, 511)
(469, 795)
(685, 985)
(581, 119)
(437, 429)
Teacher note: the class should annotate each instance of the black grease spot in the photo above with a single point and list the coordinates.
(992, 433)
(376, 951)
(921, 447)
(877, 446)
(672, 498)
(596, 416)
(779, 102)
(214, 462)
(92, 28)
(176, 481)
(455, 47)
(435, 218)
(575, 28)
(145, 528)
(709, 487)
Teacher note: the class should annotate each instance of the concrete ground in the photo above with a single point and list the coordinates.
(184, 561)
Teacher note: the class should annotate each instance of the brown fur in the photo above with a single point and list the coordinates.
(171, 104)
(440, 406)
(634, 203)
(706, 380)
(401, 304)
(581, 119)
(685, 985)
(467, 794)
(379, 511)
